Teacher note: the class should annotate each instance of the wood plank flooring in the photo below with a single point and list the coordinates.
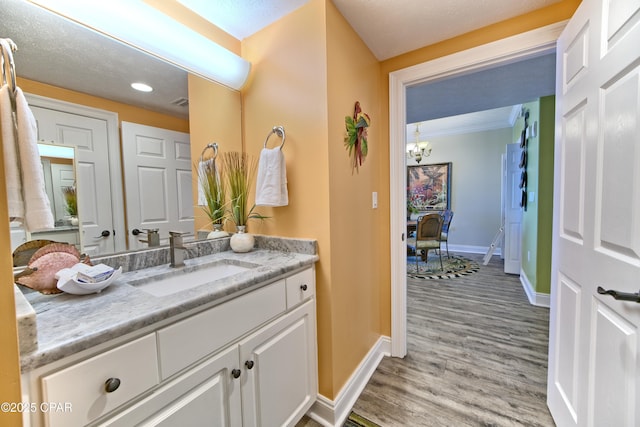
(477, 356)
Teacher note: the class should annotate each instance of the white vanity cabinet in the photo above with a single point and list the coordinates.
(250, 361)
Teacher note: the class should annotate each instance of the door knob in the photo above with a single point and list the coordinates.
(622, 296)
(105, 233)
(135, 232)
(235, 373)
(249, 364)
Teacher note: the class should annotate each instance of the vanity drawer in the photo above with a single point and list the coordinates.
(300, 287)
(189, 340)
(83, 386)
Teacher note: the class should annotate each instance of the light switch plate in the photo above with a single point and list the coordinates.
(374, 200)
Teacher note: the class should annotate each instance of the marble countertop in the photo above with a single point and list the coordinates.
(67, 324)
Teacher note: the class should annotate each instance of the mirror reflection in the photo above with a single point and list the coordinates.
(58, 164)
(64, 56)
(60, 182)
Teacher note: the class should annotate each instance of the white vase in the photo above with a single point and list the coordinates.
(217, 232)
(241, 241)
(74, 220)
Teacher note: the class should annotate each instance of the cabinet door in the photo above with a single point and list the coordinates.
(208, 395)
(279, 379)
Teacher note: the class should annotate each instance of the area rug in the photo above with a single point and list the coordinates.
(456, 266)
(356, 420)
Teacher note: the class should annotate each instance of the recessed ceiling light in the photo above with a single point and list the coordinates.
(141, 87)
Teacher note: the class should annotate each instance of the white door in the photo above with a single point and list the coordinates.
(89, 136)
(594, 369)
(157, 177)
(512, 211)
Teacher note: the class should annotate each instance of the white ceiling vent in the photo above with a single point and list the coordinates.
(180, 102)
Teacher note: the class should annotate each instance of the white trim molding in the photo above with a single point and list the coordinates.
(527, 45)
(333, 413)
(535, 298)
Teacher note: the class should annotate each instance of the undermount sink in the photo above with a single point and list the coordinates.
(181, 279)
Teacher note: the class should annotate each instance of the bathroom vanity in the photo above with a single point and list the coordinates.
(239, 350)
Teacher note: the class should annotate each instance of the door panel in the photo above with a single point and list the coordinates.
(158, 182)
(616, 338)
(593, 342)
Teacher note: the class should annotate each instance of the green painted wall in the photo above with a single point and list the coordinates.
(546, 148)
(538, 217)
(530, 215)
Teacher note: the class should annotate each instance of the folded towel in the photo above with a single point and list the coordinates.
(38, 214)
(11, 168)
(271, 183)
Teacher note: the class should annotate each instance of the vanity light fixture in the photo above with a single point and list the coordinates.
(419, 149)
(142, 87)
(137, 24)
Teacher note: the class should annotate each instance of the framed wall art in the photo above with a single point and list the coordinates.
(429, 187)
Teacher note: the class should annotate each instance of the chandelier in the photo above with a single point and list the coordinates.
(420, 149)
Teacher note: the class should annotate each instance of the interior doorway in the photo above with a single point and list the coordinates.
(527, 45)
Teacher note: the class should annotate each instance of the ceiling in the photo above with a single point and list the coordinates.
(53, 50)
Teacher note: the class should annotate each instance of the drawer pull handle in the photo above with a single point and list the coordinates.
(303, 287)
(249, 364)
(235, 373)
(111, 385)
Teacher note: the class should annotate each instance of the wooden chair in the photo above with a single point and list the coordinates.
(447, 216)
(428, 236)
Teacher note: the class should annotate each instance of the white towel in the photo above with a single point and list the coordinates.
(271, 183)
(11, 168)
(38, 215)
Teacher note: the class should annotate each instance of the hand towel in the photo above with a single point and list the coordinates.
(38, 215)
(271, 183)
(11, 168)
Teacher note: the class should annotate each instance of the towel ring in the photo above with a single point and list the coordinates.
(278, 130)
(8, 66)
(214, 147)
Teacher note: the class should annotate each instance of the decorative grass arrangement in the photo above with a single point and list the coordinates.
(214, 191)
(70, 200)
(240, 169)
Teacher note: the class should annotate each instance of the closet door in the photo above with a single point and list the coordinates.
(158, 181)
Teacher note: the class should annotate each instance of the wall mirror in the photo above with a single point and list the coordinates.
(59, 53)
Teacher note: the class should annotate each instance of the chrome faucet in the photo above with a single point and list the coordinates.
(176, 249)
(153, 238)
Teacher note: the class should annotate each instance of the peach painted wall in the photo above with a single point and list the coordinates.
(215, 116)
(9, 357)
(359, 233)
(288, 86)
(303, 78)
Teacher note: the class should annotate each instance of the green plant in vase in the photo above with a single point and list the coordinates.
(240, 169)
(71, 203)
(213, 189)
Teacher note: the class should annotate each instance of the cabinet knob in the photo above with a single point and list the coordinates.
(111, 385)
(235, 373)
(249, 364)
(303, 287)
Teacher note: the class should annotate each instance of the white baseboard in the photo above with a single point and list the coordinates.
(472, 249)
(333, 413)
(538, 299)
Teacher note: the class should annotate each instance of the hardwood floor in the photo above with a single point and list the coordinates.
(477, 356)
